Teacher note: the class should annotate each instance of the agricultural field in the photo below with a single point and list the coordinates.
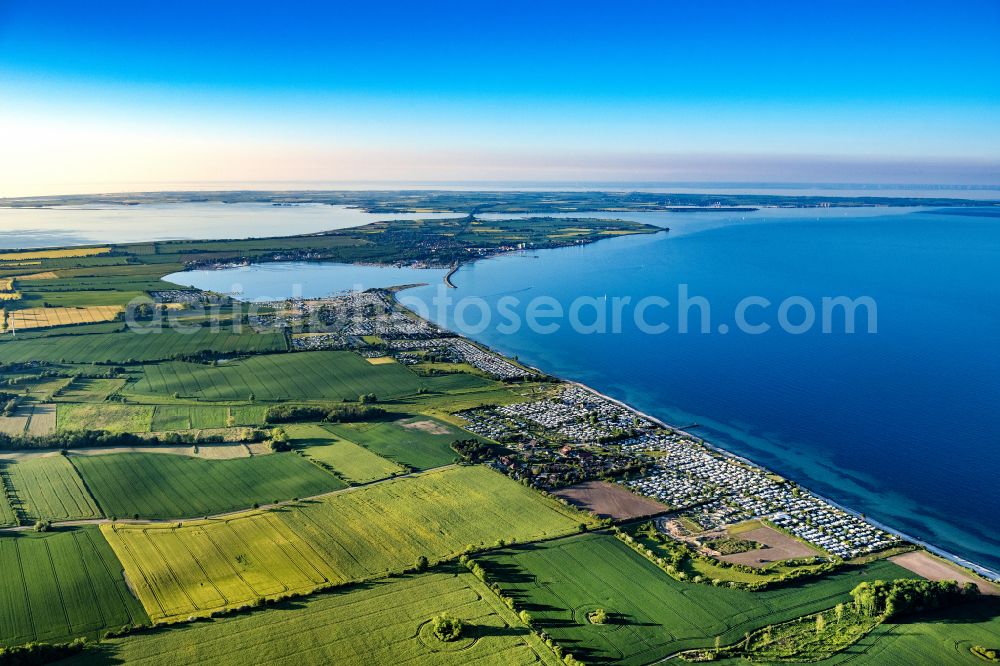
(943, 638)
(188, 417)
(248, 416)
(120, 347)
(60, 585)
(383, 622)
(43, 420)
(7, 515)
(653, 615)
(192, 568)
(88, 389)
(355, 463)
(104, 416)
(48, 488)
(303, 375)
(75, 297)
(60, 316)
(153, 485)
(71, 252)
(418, 442)
(16, 423)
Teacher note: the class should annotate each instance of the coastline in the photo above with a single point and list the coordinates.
(977, 569)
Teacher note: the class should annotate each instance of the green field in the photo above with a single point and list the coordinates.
(420, 442)
(559, 582)
(62, 584)
(159, 485)
(200, 566)
(319, 375)
(356, 463)
(248, 416)
(188, 417)
(48, 488)
(7, 515)
(86, 389)
(942, 639)
(119, 347)
(380, 623)
(104, 416)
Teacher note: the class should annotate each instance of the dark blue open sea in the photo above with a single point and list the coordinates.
(902, 424)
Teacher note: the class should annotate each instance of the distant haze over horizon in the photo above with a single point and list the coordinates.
(902, 190)
(637, 92)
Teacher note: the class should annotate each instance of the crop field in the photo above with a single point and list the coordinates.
(248, 416)
(104, 416)
(75, 297)
(559, 582)
(88, 389)
(43, 420)
(62, 316)
(188, 417)
(381, 623)
(943, 638)
(355, 463)
(48, 488)
(60, 585)
(17, 423)
(54, 254)
(199, 566)
(419, 442)
(120, 347)
(7, 515)
(320, 375)
(153, 485)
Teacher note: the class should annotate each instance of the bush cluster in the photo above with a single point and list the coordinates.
(329, 413)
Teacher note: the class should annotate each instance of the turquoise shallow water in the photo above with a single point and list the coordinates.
(901, 424)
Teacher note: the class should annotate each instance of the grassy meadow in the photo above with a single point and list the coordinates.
(104, 416)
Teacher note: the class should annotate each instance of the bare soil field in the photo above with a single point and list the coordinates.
(609, 500)
(776, 547)
(43, 420)
(429, 427)
(931, 567)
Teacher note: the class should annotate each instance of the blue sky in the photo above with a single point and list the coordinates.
(107, 92)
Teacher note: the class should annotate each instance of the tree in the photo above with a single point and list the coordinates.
(422, 564)
(447, 628)
(820, 623)
(599, 616)
(526, 618)
(839, 610)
